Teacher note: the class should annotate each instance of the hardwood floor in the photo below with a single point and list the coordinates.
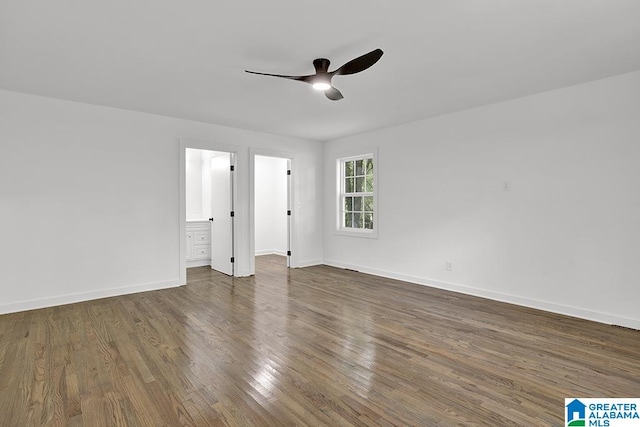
(312, 346)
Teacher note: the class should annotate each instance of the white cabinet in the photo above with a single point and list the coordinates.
(198, 243)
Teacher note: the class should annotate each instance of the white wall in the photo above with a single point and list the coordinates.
(270, 205)
(207, 182)
(198, 183)
(89, 198)
(565, 238)
(194, 183)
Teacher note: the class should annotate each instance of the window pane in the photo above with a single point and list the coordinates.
(348, 185)
(369, 186)
(357, 220)
(359, 167)
(348, 219)
(348, 203)
(368, 221)
(360, 184)
(357, 204)
(348, 168)
(368, 204)
(369, 166)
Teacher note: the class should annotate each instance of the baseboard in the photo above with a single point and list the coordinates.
(271, 252)
(497, 296)
(309, 263)
(198, 263)
(85, 296)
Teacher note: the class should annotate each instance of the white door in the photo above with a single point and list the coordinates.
(221, 211)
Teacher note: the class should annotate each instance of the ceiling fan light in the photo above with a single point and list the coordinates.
(321, 86)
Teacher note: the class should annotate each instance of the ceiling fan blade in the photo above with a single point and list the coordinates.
(306, 79)
(361, 63)
(333, 94)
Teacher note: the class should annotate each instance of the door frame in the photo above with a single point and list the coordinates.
(182, 203)
(253, 152)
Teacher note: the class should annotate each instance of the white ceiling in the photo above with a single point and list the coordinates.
(186, 58)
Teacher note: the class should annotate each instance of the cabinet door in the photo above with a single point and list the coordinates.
(189, 245)
(201, 252)
(201, 237)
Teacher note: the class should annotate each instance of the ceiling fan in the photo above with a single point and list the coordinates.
(321, 80)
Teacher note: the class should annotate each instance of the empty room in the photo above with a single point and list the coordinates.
(320, 213)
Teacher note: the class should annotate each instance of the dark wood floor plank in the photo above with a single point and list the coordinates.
(313, 346)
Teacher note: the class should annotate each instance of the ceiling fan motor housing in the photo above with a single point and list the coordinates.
(321, 65)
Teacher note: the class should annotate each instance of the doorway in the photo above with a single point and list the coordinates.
(209, 208)
(272, 206)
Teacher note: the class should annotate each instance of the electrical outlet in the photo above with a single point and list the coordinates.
(448, 265)
(506, 186)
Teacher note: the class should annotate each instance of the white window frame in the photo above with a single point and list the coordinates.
(340, 193)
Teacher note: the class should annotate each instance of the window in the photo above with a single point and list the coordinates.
(357, 200)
